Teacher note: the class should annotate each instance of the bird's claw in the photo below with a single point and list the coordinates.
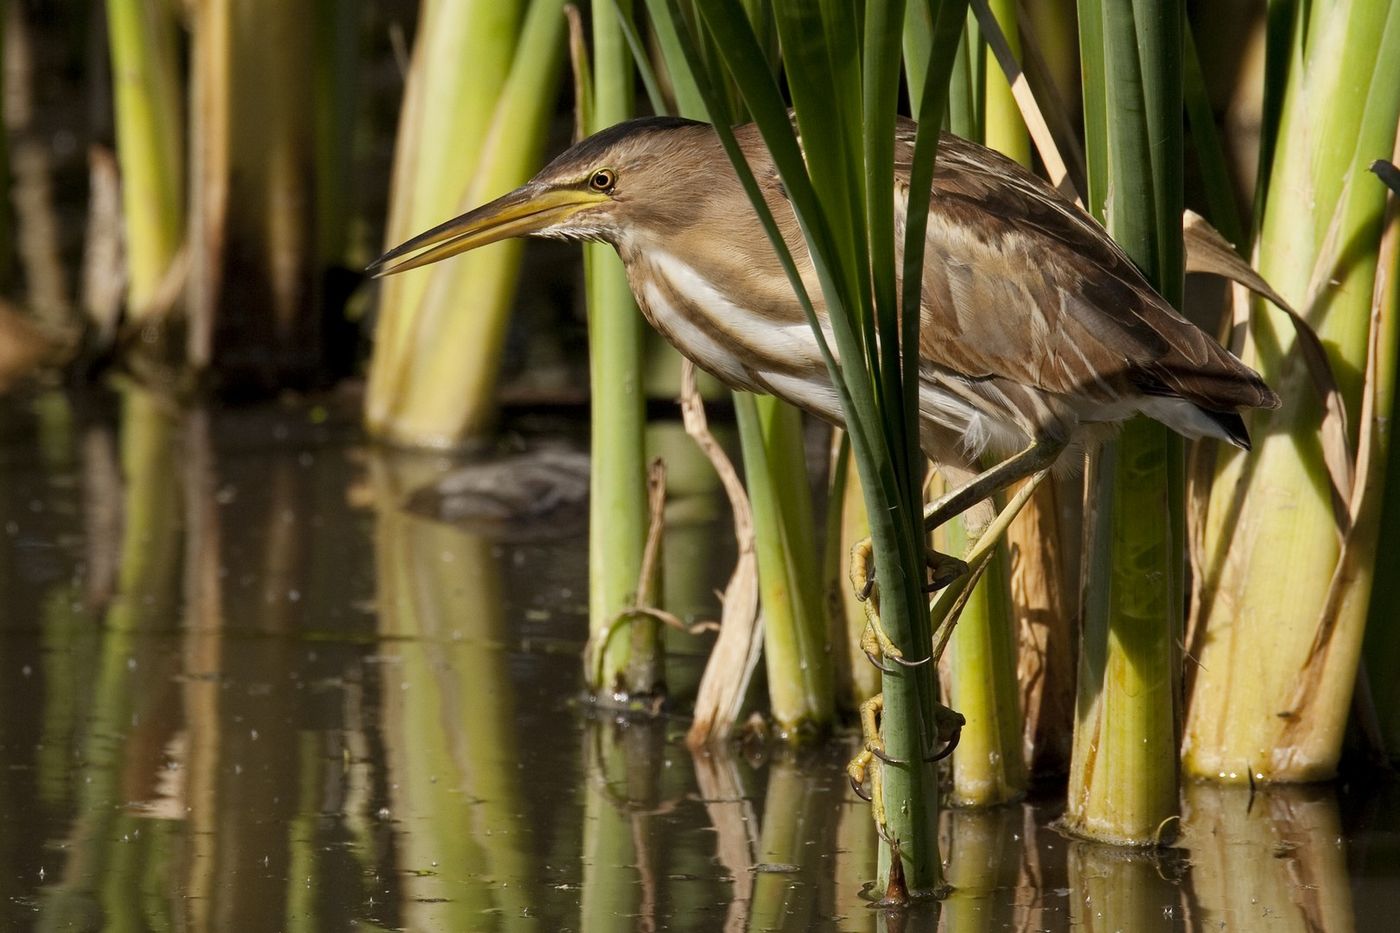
(946, 750)
(874, 659)
(950, 724)
(943, 569)
(863, 568)
(870, 759)
(879, 752)
(856, 785)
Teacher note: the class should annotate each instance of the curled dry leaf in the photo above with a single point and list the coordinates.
(736, 651)
(1208, 251)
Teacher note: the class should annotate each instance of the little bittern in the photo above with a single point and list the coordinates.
(1035, 326)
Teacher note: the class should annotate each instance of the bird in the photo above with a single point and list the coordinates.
(1037, 332)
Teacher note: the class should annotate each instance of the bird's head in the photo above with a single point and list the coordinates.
(610, 187)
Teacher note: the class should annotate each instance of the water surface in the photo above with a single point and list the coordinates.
(243, 688)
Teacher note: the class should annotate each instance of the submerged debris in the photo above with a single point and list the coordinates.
(540, 493)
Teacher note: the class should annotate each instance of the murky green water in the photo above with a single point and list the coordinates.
(242, 688)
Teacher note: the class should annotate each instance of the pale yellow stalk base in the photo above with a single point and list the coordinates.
(979, 677)
(1283, 622)
(1123, 774)
(441, 329)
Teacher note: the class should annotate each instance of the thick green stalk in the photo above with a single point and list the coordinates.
(1123, 776)
(980, 679)
(797, 655)
(1382, 634)
(150, 140)
(795, 641)
(1281, 646)
(432, 382)
(980, 663)
(631, 663)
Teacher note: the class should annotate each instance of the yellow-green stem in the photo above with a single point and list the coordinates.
(444, 126)
(150, 140)
(631, 663)
(1123, 774)
(794, 623)
(980, 680)
(1272, 694)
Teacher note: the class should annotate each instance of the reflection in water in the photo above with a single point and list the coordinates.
(446, 714)
(1270, 861)
(243, 689)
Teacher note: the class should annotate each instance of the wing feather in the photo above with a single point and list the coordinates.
(1022, 285)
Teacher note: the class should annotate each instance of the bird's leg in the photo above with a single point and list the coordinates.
(873, 640)
(866, 764)
(989, 482)
(944, 568)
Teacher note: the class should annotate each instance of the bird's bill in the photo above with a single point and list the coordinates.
(524, 211)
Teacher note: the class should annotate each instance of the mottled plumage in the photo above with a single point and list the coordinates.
(1034, 325)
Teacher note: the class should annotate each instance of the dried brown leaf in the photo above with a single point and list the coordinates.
(1208, 251)
(578, 64)
(1030, 109)
(736, 651)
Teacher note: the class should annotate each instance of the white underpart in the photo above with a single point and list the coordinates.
(726, 327)
(976, 431)
(819, 398)
(692, 341)
(954, 407)
(1182, 417)
(792, 340)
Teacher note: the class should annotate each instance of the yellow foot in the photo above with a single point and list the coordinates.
(865, 766)
(943, 569)
(873, 640)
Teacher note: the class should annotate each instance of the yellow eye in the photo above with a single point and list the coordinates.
(602, 180)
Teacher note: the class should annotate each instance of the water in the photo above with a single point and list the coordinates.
(244, 689)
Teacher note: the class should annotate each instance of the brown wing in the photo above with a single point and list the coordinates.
(1022, 285)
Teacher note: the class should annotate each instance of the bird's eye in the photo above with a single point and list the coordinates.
(602, 180)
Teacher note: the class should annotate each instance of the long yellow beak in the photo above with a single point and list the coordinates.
(526, 210)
